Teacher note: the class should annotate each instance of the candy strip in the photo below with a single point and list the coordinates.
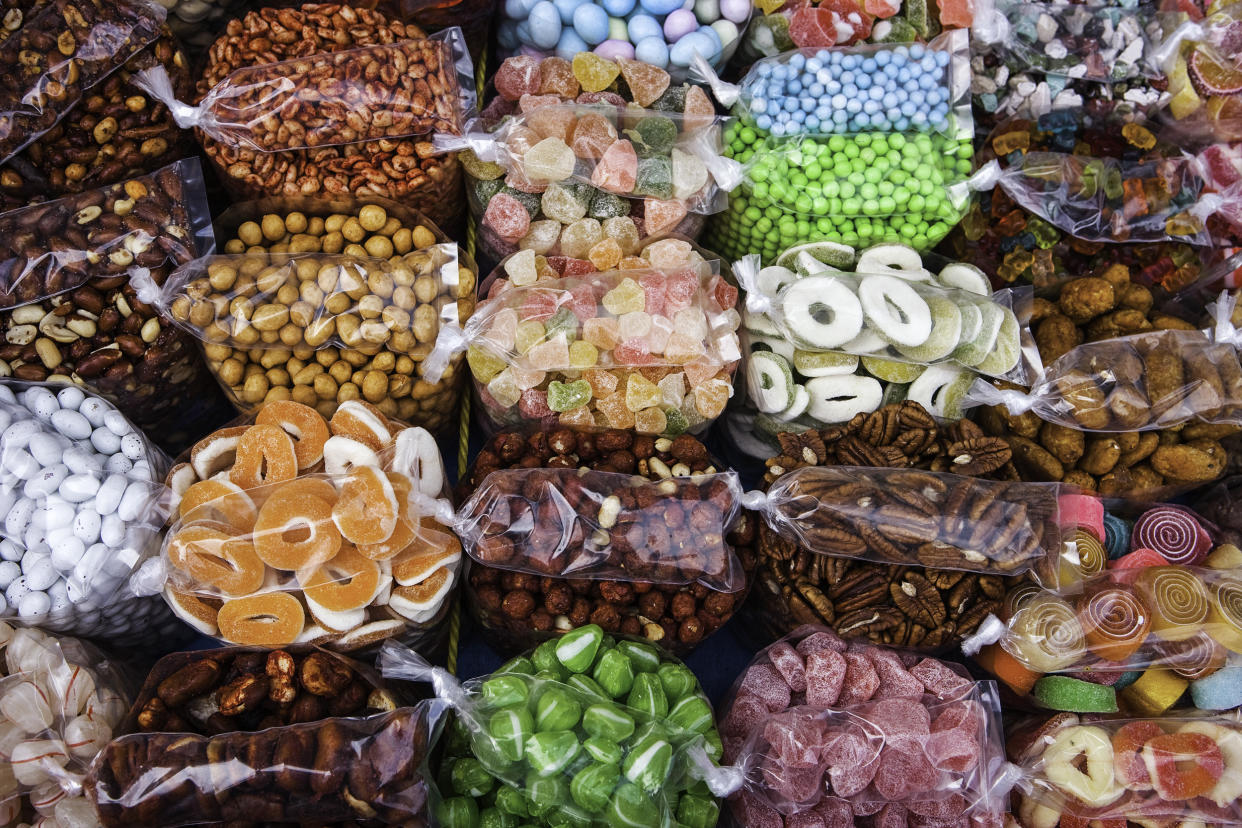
(1192, 658)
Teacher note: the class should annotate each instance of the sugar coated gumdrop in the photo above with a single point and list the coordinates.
(604, 333)
(627, 296)
(556, 77)
(641, 393)
(654, 177)
(615, 411)
(623, 231)
(689, 174)
(518, 76)
(561, 202)
(541, 237)
(549, 160)
(569, 395)
(662, 215)
(617, 170)
(534, 404)
(711, 397)
(765, 683)
(650, 421)
(506, 215)
(594, 72)
(1183, 765)
(591, 136)
(578, 238)
(605, 254)
(1128, 764)
(699, 112)
(646, 82)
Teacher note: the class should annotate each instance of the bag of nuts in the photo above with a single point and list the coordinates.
(521, 598)
(324, 302)
(266, 737)
(68, 311)
(405, 169)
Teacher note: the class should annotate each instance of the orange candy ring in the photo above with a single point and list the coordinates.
(265, 455)
(1183, 765)
(294, 529)
(363, 422)
(1178, 600)
(1128, 762)
(366, 510)
(302, 423)
(1115, 623)
(192, 609)
(430, 551)
(406, 528)
(420, 602)
(216, 452)
(347, 582)
(213, 554)
(271, 619)
(218, 500)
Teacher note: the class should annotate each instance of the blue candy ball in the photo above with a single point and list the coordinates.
(684, 50)
(522, 32)
(545, 25)
(570, 44)
(660, 7)
(591, 23)
(618, 8)
(566, 8)
(518, 9)
(643, 26)
(652, 50)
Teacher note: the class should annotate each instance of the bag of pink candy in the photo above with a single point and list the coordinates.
(828, 733)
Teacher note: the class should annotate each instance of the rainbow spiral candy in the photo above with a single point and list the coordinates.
(1173, 532)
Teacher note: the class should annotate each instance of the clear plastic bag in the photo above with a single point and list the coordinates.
(1198, 54)
(61, 50)
(594, 524)
(1181, 768)
(607, 729)
(80, 493)
(62, 701)
(329, 538)
(332, 99)
(626, 151)
(638, 349)
(846, 731)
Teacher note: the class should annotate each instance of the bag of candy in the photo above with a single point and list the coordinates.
(292, 528)
(835, 732)
(1182, 768)
(585, 728)
(1199, 58)
(643, 349)
(280, 736)
(80, 491)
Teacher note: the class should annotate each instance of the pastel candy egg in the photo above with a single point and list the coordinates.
(544, 25)
(617, 30)
(591, 23)
(707, 11)
(115, 422)
(94, 410)
(518, 9)
(615, 49)
(726, 30)
(40, 574)
(678, 24)
(567, 9)
(643, 26)
(47, 449)
(34, 605)
(570, 44)
(684, 50)
(70, 397)
(42, 403)
(660, 7)
(618, 8)
(652, 50)
(10, 571)
(736, 11)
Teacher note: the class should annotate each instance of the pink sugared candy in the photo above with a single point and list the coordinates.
(653, 285)
(958, 14)
(825, 675)
(892, 815)
(903, 771)
(805, 819)
(954, 750)
(724, 293)
(966, 715)
(898, 719)
(835, 812)
(852, 761)
(895, 681)
(583, 303)
(938, 805)
(823, 640)
(617, 170)
(883, 9)
(789, 664)
(753, 812)
(748, 712)
(632, 352)
(507, 216)
(796, 785)
(795, 737)
(861, 680)
(518, 76)
(762, 681)
(534, 404)
(940, 680)
(661, 215)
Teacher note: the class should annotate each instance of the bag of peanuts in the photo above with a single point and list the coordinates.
(673, 566)
(585, 729)
(325, 302)
(1181, 769)
(80, 493)
(292, 528)
(842, 734)
(62, 701)
(646, 349)
(266, 736)
(68, 311)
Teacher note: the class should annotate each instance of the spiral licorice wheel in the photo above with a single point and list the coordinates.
(1175, 533)
(1046, 635)
(1115, 623)
(1192, 658)
(1178, 600)
(1225, 615)
(1018, 597)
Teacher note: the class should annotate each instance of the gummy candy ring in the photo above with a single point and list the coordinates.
(1115, 623)
(213, 554)
(347, 582)
(265, 455)
(1178, 600)
(340, 454)
(1225, 617)
(404, 532)
(216, 452)
(302, 423)
(420, 602)
(1094, 785)
(1183, 765)
(295, 530)
(432, 550)
(367, 509)
(895, 309)
(1045, 635)
(218, 500)
(271, 619)
(1128, 761)
(363, 422)
(1229, 786)
(823, 312)
(191, 609)
(417, 455)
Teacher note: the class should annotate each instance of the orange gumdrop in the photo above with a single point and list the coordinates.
(367, 509)
(303, 424)
(404, 532)
(294, 530)
(214, 555)
(430, 550)
(218, 500)
(347, 582)
(1128, 762)
(272, 619)
(1183, 765)
(265, 455)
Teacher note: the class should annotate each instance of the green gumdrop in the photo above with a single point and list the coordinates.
(587, 687)
(530, 201)
(781, 37)
(564, 321)
(614, 673)
(504, 690)
(648, 695)
(901, 31)
(608, 205)
(470, 778)
(697, 812)
(592, 786)
(511, 801)
(458, 812)
(483, 363)
(607, 721)
(481, 192)
(654, 136)
(457, 738)
(713, 745)
(569, 816)
(645, 657)
(562, 203)
(556, 710)
(566, 396)
(576, 649)
(518, 664)
(676, 423)
(655, 178)
(648, 763)
(509, 729)
(493, 817)
(691, 713)
(945, 334)
(550, 752)
(631, 807)
(677, 680)
(672, 100)
(603, 750)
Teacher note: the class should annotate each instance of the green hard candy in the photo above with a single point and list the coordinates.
(511, 801)
(545, 661)
(607, 205)
(520, 664)
(644, 656)
(569, 816)
(713, 746)
(566, 396)
(557, 710)
(648, 762)
(631, 807)
(603, 750)
(676, 423)
(576, 649)
(648, 695)
(672, 100)
(655, 177)
(504, 690)
(697, 812)
(493, 817)
(509, 729)
(470, 778)
(677, 680)
(607, 721)
(551, 751)
(615, 673)
(592, 786)
(545, 792)
(531, 201)
(691, 713)
(458, 812)
(587, 686)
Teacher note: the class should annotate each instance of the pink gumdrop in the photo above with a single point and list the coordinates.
(898, 717)
(967, 715)
(939, 805)
(528, 103)
(538, 305)
(795, 737)
(733, 746)
(852, 759)
(892, 815)
(653, 285)
(762, 681)
(882, 9)
(506, 215)
(805, 819)
(753, 812)
(577, 267)
(826, 671)
(835, 812)
(940, 680)
(517, 76)
(617, 170)
(534, 404)
(824, 640)
(903, 772)
(517, 179)
(954, 750)
(724, 294)
(895, 680)
(799, 786)
(867, 804)
(861, 680)
(789, 664)
(601, 97)
(582, 302)
(634, 352)
(681, 288)
(747, 713)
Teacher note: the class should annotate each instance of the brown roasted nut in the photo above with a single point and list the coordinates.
(324, 675)
(1065, 444)
(282, 677)
(1128, 407)
(242, 694)
(1197, 461)
(1086, 298)
(1101, 454)
(1034, 461)
(1055, 336)
(192, 680)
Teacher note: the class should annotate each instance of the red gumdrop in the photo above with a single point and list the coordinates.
(506, 215)
(577, 267)
(1128, 762)
(903, 772)
(762, 680)
(835, 812)
(895, 680)
(831, 23)
(825, 676)
(1183, 765)
(724, 293)
(940, 805)
(634, 352)
(784, 657)
(892, 815)
(653, 285)
(517, 76)
(582, 302)
(534, 404)
(965, 715)
(940, 680)
(733, 746)
(861, 680)
(747, 713)
(680, 291)
(796, 737)
(903, 722)
(800, 786)
(826, 640)
(499, 109)
(917, 821)
(883, 9)
(661, 215)
(538, 305)
(753, 812)
(601, 97)
(868, 804)
(956, 750)
(518, 181)
(852, 759)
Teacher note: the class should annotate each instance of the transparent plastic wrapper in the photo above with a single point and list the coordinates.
(626, 151)
(332, 98)
(349, 311)
(643, 349)
(80, 492)
(607, 729)
(298, 529)
(906, 88)
(68, 308)
(886, 315)
(1182, 768)
(60, 51)
(604, 525)
(62, 701)
(829, 730)
(1198, 54)
(680, 551)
